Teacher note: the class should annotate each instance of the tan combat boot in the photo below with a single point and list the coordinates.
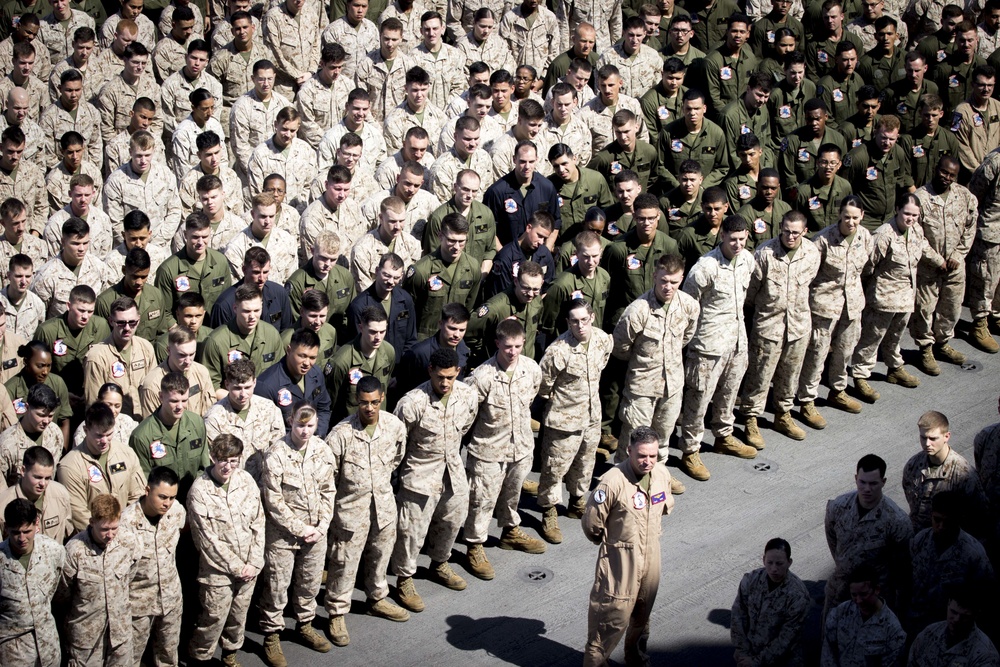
(676, 486)
(314, 640)
(447, 577)
(387, 610)
(731, 445)
(928, 364)
(576, 507)
(407, 594)
(785, 425)
(947, 353)
(811, 416)
(982, 338)
(338, 631)
(479, 565)
(866, 391)
(754, 438)
(841, 401)
(273, 654)
(515, 539)
(530, 487)
(608, 442)
(902, 378)
(229, 659)
(550, 526)
(692, 466)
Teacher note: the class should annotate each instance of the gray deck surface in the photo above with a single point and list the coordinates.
(715, 534)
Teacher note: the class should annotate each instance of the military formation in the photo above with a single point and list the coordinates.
(315, 287)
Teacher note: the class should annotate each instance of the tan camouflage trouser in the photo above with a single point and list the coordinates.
(570, 455)
(101, 654)
(710, 381)
(833, 338)
(659, 413)
(223, 615)
(777, 360)
(880, 331)
(348, 549)
(938, 305)
(493, 486)
(21, 650)
(303, 569)
(165, 632)
(984, 279)
(435, 519)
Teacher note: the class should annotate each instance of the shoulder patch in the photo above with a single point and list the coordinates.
(483, 311)
(600, 496)
(410, 271)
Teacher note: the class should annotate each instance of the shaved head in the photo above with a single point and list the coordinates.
(18, 97)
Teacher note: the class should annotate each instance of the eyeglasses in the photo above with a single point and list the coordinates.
(228, 463)
(126, 324)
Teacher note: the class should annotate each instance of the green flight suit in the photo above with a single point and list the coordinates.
(763, 224)
(799, 152)
(644, 160)
(631, 265)
(178, 274)
(227, 344)
(481, 243)
(876, 181)
(924, 151)
(787, 108)
(571, 285)
(696, 240)
(154, 316)
(183, 448)
(503, 306)
(707, 148)
(432, 283)
(349, 365)
(591, 189)
(820, 205)
(69, 348)
(339, 287)
(327, 345)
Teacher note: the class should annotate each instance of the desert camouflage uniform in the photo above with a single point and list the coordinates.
(606, 17)
(502, 156)
(298, 486)
(373, 152)
(231, 186)
(575, 134)
(639, 72)
(434, 491)
(43, 61)
(364, 523)
(494, 52)
(922, 480)
(94, 587)
(388, 171)
(779, 293)
(156, 194)
(117, 151)
(536, 46)
(489, 131)
(262, 426)
(499, 455)
(25, 318)
(383, 85)
(91, 84)
(34, 139)
(878, 537)
(949, 225)
(281, 246)
(767, 620)
(411, 23)
(446, 69)
(571, 372)
(57, 35)
(851, 641)
(460, 13)
(890, 294)
(28, 634)
(14, 442)
(146, 35)
(938, 571)
(296, 163)
(57, 121)
(184, 146)
(27, 183)
(401, 118)
(234, 72)
(445, 169)
(115, 101)
(251, 123)
(155, 592)
(101, 234)
(38, 93)
(57, 186)
(716, 358)
(836, 300)
(933, 646)
(356, 41)
(368, 251)
(294, 42)
(168, 56)
(176, 105)
(418, 210)
(651, 337)
(85, 478)
(597, 116)
(348, 221)
(227, 524)
(321, 106)
(54, 280)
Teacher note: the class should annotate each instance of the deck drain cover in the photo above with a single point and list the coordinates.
(536, 575)
(762, 465)
(971, 365)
